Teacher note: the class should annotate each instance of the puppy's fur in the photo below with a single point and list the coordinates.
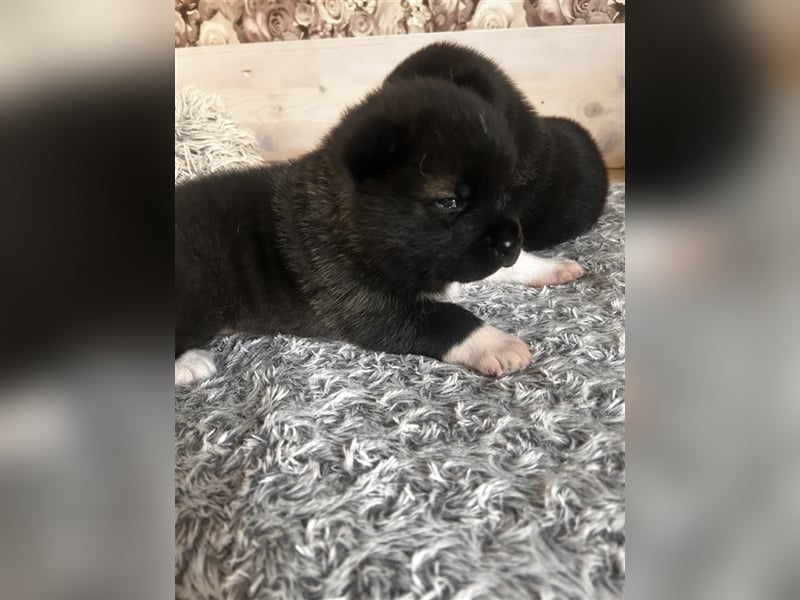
(350, 241)
(440, 176)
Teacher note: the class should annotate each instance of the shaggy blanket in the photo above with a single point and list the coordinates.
(312, 469)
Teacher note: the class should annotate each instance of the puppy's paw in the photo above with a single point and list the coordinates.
(491, 352)
(561, 270)
(193, 366)
(537, 271)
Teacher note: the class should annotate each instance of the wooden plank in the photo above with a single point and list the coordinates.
(616, 175)
(290, 93)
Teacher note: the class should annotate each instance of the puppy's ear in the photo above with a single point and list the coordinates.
(374, 148)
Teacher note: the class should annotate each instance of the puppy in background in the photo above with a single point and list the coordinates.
(355, 240)
(560, 182)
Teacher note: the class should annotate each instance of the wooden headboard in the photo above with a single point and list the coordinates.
(290, 93)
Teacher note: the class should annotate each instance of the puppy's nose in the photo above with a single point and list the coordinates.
(505, 239)
(504, 247)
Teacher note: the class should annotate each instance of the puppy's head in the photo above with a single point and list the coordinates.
(428, 164)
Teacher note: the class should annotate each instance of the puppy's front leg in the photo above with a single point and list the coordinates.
(538, 271)
(447, 332)
(490, 351)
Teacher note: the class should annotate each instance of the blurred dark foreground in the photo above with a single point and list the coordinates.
(713, 149)
(86, 405)
(86, 412)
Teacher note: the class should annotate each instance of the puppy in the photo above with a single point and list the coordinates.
(560, 182)
(356, 239)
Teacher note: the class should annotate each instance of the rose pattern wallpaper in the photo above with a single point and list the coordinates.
(210, 22)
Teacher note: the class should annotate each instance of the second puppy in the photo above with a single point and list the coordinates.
(560, 182)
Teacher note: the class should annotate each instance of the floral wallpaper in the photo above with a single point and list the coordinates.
(208, 22)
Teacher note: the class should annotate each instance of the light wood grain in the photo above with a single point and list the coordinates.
(616, 175)
(290, 93)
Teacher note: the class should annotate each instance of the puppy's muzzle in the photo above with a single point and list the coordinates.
(505, 239)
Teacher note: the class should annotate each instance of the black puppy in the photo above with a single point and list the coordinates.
(356, 239)
(560, 183)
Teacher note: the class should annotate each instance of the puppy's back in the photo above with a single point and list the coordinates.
(468, 69)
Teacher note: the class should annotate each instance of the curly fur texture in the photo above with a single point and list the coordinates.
(207, 139)
(315, 469)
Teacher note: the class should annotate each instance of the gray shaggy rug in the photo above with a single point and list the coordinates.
(310, 469)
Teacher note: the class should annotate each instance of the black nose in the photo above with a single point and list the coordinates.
(505, 239)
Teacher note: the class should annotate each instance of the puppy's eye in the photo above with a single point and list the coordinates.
(450, 204)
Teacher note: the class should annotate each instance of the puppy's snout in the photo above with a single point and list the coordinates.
(505, 239)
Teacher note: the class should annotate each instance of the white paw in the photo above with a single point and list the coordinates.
(563, 270)
(193, 366)
(491, 352)
(537, 271)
